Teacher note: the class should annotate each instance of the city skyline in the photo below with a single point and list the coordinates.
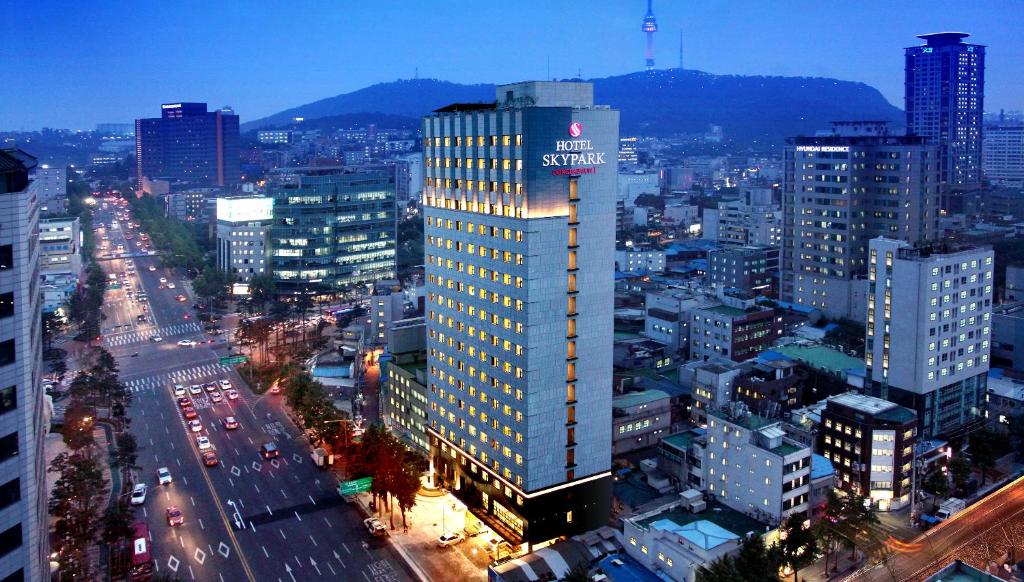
(268, 71)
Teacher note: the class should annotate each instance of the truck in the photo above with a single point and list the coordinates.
(949, 508)
(320, 457)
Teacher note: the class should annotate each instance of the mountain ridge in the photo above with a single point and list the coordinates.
(752, 110)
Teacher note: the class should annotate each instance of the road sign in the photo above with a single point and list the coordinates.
(357, 486)
(229, 360)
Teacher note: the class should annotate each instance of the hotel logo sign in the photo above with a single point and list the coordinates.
(573, 153)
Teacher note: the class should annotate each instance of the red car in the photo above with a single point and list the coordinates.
(184, 402)
(210, 459)
(229, 423)
(175, 516)
(189, 412)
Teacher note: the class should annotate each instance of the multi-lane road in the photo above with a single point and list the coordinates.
(247, 518)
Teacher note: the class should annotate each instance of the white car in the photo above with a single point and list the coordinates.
(179, 390)
(203, 443)
(195, 425)
(170, 285)
(139, 494)
(225, 384)
(152, 268)
(450, 539)
(187, 343)
(163, 474)
(195, 389)
(163, 279)
(156, 338)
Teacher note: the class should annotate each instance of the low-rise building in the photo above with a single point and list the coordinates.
(60, 250)
(1004, 400)
(870, 442)
(667, 319)
(639, 261)
(404, 387)
(737, 329)
(387, 304)
(676, 540)
(639, 419)
(748, 268)
(712, 386)
(771, 388)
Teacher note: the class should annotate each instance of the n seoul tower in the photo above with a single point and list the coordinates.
(650, 26)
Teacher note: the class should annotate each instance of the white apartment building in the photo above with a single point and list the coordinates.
(23, 424)
(929, 328)
(666, 317)
(243, 227)
(749, 464)
(519, 206)
(387, 304)
(52, 182)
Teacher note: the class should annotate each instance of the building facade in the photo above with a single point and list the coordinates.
(404, 389)
(387, 304)
(640, 419)
(1003, 154)
(23, 423)
(52, 188)
(929, 328)
(747, 268)
(519, 204)
(331, 229)
(945, 102)
(189, 144)
(839, 192)
(734, 330)
(870, 443)
(639, 261)
(60, 243)
(243, 229)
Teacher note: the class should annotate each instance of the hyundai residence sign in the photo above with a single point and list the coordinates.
(571, 154)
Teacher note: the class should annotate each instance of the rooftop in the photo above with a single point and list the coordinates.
(724, 517)
(622, 568)
(822, 358)
(821, 467)
(682, 440)
(631, 399)
(707, 535)
(725, 310)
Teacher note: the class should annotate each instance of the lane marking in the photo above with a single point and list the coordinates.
(282, 533)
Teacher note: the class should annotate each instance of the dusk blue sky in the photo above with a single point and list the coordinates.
(73, 65)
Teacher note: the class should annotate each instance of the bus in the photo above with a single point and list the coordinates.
(142, 561)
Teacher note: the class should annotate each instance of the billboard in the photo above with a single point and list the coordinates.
(253, 209)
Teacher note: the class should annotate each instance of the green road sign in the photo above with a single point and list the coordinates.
(229, 360)
(357, 486)
(114, 286)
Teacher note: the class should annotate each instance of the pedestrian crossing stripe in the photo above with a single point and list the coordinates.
(166, 331)
(193, 375)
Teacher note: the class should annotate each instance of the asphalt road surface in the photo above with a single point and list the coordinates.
(979, 533)
(247, 518)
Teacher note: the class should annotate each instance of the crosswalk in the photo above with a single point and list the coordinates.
(166, 331)
(193, 375)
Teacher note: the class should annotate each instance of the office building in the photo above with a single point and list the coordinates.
(750, 464)
(712, 385)
(519, 204)
(667, 315)
(23, 426)
(408, 178)
(189, 144)
(243, 232)
(744, 222)
(1008, 334)
(841, 190)
(770, 388)
(870, 442)
(747, 268)
(331, 229)
(929, 327)
(60, 247)
(53, 188)
(1004, 402)
(1003, 154)
(627, 150)
(945, 102)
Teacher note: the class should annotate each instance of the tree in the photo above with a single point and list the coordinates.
(755, 562)
(984, 446)
(721, 570)
(74, 503)
(798, 547)
(960, 471)
(936, 483)
(261, 290)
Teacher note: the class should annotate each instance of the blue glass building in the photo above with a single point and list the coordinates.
(189, 144)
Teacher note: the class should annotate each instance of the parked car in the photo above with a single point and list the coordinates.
(375, 527)
(163, 475)
(139, 494)
(448, 539)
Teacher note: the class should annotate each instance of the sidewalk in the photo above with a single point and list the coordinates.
(418, 547)
(816, 571)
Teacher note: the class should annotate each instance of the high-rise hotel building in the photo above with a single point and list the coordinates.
(842, 190)
(519, 204)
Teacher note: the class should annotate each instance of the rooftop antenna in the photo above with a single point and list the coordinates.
(680, 48)
(416, 75)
